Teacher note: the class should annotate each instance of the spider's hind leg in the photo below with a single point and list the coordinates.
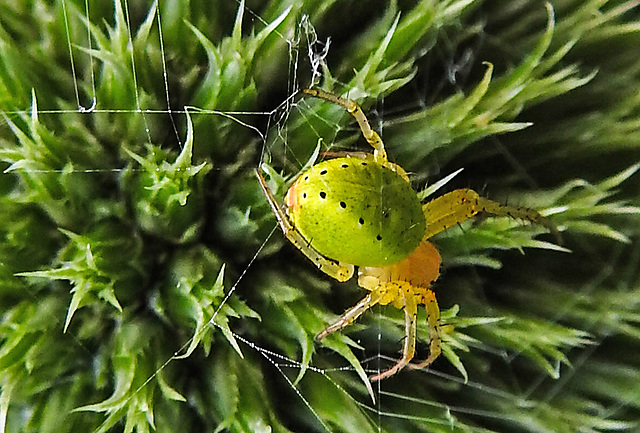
(352, 313)
(433, 324)
(409, 347)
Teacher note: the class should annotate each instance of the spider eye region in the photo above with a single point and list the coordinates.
(360, 214)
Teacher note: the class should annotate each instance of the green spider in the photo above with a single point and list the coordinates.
(361, 211)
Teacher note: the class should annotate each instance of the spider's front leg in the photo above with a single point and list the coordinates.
(372, 137)
(334, 269)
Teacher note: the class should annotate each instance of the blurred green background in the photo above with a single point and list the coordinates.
(144, 285)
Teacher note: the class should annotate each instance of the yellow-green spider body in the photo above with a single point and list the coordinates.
(361, 211)
(356, 211)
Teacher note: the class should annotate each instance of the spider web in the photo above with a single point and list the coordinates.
(308, 51)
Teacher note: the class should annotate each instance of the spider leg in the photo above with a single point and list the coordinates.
(352, 313)
(433, 323)
(409, 347)
(459, 205)
(354, 109)
(330, 267)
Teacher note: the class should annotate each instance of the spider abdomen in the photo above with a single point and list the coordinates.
(356, 211)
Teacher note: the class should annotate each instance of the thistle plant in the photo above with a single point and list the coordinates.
(144, 285)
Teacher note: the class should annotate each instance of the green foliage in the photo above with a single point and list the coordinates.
(97, 264)
(143, 286)
(168, 199)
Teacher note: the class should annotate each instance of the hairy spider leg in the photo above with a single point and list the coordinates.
(410, 308)
(433, 325)
(353, 313)
(336, 270)
(372, 137)
(459, 205)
